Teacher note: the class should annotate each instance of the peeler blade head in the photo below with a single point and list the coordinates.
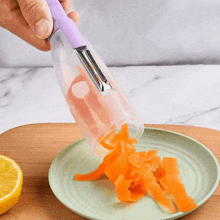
(93, 69)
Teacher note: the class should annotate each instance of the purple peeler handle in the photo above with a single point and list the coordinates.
(66, 24)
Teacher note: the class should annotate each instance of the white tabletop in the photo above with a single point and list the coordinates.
(186, 95)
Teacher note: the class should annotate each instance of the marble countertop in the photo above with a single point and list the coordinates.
(185, 95)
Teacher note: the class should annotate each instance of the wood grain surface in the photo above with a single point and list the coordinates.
(35, 146)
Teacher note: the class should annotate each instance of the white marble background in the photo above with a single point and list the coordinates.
(186, 95)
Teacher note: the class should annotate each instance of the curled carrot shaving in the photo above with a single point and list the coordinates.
(129, 147)
(122, 185)
(119, 166)
(173, 185)
(109, 136)
(115, 139)
(130, 141)
(159, 173)
(147, 155)
(124, 132)
(154, 188)
(138, 190)
(109, 159)
(106, 139)
(107, 146)
(135, 174)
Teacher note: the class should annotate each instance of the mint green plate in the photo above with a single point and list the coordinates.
(97, 199)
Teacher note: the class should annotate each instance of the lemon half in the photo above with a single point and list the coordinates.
(11, 180)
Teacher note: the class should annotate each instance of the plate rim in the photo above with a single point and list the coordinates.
(173, 216)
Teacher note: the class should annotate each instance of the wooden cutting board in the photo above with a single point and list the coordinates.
(35, 146)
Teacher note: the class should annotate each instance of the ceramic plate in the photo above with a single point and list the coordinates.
(97, 199)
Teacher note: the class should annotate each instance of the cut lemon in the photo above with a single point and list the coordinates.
(11, 179)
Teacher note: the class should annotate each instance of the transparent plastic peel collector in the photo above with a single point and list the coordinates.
(94, 98)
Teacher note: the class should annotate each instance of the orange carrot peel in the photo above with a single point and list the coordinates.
(136, 173)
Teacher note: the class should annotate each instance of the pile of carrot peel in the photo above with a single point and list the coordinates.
(135, 174)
